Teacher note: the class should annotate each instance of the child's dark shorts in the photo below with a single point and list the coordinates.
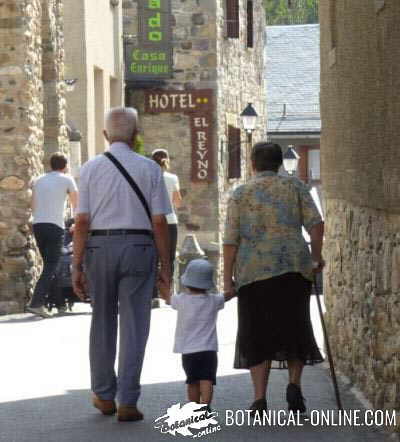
(200, 366)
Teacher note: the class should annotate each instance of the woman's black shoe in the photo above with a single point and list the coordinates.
(295, 399)
(259, 405)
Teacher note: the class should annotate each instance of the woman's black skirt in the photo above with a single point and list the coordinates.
(274, 322)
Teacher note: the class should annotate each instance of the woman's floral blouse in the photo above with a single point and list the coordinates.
(265, 219)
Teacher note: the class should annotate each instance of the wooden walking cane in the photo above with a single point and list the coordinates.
(328, 348)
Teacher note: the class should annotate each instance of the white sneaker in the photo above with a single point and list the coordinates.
(40, 311)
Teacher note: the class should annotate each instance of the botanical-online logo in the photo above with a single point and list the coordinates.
(183, 420)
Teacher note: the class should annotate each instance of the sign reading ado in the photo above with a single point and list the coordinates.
(151, 57)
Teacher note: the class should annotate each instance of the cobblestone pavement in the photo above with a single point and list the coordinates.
(44, 387)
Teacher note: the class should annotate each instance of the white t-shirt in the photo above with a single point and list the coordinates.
(196, 326)
(49, 195)
(172, 185)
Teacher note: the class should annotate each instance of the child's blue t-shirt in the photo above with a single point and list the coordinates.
(196, 326)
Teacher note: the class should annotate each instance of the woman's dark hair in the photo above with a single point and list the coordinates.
(161, 158)
(266, 156)
(58, 161)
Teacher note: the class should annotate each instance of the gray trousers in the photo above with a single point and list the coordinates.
(121, 276)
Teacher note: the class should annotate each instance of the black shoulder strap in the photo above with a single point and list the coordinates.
(131, 182)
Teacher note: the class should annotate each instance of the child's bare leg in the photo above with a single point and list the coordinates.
(193, 392)
(206, 392)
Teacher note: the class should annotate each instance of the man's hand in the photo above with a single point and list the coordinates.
(161, 237)
(164, 284)
(79, 283)
(80, 236)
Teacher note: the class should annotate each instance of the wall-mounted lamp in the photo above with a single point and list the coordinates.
(249, 118)
(290, 160)
(70, 84)
(114, 3)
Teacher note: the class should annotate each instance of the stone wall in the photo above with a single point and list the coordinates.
(195, 67)
(54, 102)
(241, 80)
(21, 146)
(360, 109)
(362, 285)
(204, 58)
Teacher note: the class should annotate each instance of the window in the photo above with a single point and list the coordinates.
(314, 172)
(232, 18)
(234, 157)
(250, 24)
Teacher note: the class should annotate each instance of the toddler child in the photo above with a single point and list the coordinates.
(196, 333)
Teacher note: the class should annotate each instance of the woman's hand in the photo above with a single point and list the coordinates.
(229, 290)
(318, 265)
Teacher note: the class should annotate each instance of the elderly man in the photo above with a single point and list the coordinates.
(116, 241)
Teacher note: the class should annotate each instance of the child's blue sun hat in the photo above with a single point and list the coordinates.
(199, 275)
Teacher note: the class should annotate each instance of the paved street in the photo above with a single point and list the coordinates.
(44, 386)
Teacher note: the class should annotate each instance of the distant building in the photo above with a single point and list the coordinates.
(94, 58)
(192, 68)
(293, 85)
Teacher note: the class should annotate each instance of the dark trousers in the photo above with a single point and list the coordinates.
(49, 239)
(173, 240)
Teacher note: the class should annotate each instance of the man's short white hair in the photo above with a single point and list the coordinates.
(121, 123)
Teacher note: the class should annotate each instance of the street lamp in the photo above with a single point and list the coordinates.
(290, 160)
(70, 84)
(249, 118)
(249, 121)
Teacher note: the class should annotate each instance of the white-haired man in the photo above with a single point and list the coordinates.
(116, 240)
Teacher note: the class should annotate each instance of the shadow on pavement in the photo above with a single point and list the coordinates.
(70, 417)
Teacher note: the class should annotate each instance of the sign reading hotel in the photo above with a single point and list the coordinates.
(151, 57)
(198, 105)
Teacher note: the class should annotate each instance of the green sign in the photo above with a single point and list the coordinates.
(151, 57)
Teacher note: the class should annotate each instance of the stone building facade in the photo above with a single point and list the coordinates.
(94, 62)
(216, 70)
(32, 126)
(360, 109)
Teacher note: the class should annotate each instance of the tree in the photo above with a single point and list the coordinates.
(291, 12)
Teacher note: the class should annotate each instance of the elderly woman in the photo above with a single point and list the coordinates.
(265, 252)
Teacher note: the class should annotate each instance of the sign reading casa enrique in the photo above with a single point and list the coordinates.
(198, 105)
(151, 57)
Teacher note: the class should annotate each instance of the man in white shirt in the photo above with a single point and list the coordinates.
(48, 203)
